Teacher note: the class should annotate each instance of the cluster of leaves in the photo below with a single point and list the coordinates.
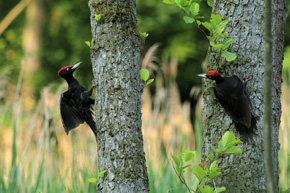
(216, 26)
(96, 179)
(144, 73)
(204, 172)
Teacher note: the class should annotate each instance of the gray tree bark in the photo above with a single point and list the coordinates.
(115, 56)
(246, 172)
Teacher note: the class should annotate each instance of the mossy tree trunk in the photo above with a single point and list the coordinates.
(115, 55)
(246, 172)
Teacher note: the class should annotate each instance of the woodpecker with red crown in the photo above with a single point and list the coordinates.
(76, 106)
(233, 97)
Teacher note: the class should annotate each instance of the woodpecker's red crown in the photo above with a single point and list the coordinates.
(66, 67)
(212, 73)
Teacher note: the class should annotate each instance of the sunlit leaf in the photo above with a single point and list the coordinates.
(97, 17)
(226, 43)
(188, 155)
(194, 9)
(229, 55)
(101, 173)
(207, 25)
(188, 19)
(144, 73)
(216, 19)
(88, 43)
(171, 2)
(145, 34)
(233, 150)
(149, 81)
(92, 180)
(176, 160)
(199, 172)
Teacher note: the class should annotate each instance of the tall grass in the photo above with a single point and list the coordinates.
(37, 156)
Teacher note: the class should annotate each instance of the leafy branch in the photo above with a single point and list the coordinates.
(144, 73)
(217, 38)
(204, 172)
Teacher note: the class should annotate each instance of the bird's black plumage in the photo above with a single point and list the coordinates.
(76, 106)
(233, 97)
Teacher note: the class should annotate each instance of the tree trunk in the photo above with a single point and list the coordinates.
(115, 55)
(246, 172)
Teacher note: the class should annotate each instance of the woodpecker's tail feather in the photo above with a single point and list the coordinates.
(247, 133)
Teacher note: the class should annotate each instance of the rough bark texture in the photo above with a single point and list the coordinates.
(115, 55)
(246, 172)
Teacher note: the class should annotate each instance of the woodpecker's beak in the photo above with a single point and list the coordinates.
(202, 75)
(76, 65)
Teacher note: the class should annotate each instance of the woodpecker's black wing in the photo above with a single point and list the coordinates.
(232, 95)
(69, 115)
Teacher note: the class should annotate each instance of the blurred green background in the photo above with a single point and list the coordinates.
(36, 154)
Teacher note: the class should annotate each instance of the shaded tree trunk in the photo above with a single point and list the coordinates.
(246, 172)
(115, 56)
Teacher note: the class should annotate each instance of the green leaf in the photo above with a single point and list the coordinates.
(170, 2)
(92, 180)
(226, 43)
(206, 189)
(213, 170)
(144, 73)
(145, 34)
(228, 139)
(209, 2)
(233, 150)
(198, 22)
(223, 24)
(188, 155)
(211, 155)
(194, 9)
(229, 55)
(97, 17)
(186, 166)
(198, 17)
(216, 19)
(220, 189)
(218, 46)
(88, 43)
(188, 19)
(101, 173)
(199, 172)
(207, 25)
(212, 147)
(149, 81)
(212, 165)
(183, 4)
(176, 160)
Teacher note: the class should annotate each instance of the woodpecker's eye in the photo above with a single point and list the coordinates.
(67, 69)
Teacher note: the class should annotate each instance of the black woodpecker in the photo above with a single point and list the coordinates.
(76, 106)
(232, 95)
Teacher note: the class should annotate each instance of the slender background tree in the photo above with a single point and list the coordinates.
(246, 173)
(115, 54)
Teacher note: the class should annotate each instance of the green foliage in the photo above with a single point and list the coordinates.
(144, 34)
(216, 28)
(144, 73)
(89, 43)
(203, 172)
(217, 38)
(97, 17)
(94, 179)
